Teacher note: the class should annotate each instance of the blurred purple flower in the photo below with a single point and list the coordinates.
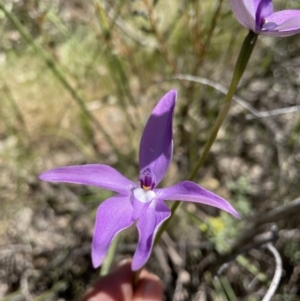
(259, 17)
(143, 203)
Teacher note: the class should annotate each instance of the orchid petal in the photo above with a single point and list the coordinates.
(156, 144)
(139, 206)
(90, 174)
(113, 215)
(148, 225)
(244, 11)
(263, 9)
(189, 191)
(258, 16)
(285, 23)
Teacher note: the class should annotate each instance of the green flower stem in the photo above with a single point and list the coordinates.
(57, 73)
(242, 61)
(240, 67)
(108, 261)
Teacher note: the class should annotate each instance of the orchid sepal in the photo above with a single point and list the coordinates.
(259, 16)
(141, 203)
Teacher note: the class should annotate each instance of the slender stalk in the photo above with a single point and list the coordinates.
(110, 256)
(240, 67)
(57, 73)
(242, 61)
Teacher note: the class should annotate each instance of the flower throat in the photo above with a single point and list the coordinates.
(147, 179)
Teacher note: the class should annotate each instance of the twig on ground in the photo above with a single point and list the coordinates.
(278, 213)
(174, 256)
(25, 287)
(163, 263)
(239, 246)
(218, 87)
(183, 276)
(274, 112)
(277, 275)
(259, 241)
(254, 113)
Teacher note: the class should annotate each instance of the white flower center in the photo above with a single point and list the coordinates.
(143, 195)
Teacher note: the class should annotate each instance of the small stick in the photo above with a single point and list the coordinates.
(277, 275)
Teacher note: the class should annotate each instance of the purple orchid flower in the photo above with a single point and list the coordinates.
(142, 203)
(259, 17)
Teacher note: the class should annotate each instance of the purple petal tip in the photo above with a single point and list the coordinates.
(156, 144)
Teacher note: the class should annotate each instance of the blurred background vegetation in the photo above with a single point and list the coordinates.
(78, 80)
